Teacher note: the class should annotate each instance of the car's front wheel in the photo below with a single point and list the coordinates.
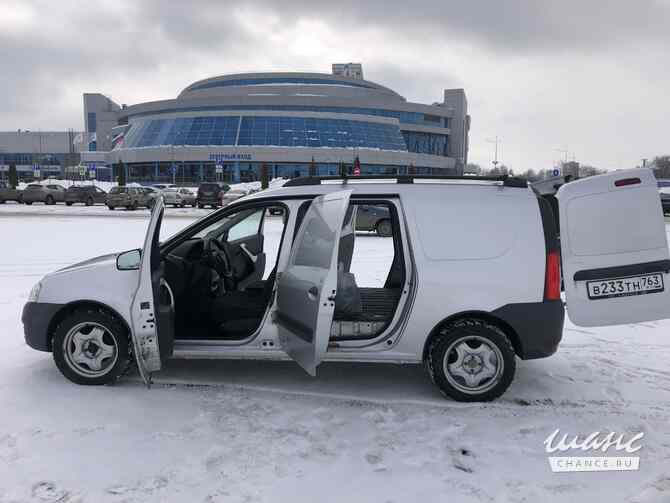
(91, 347)
(471, 361)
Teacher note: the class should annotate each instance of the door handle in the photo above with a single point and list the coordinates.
(312, 293)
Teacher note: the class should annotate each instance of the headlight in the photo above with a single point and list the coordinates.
(35, 292)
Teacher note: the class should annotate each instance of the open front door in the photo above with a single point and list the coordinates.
(152, 307)
(306, 289)
(614, 249)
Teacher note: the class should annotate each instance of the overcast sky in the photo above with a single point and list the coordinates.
(589, 76)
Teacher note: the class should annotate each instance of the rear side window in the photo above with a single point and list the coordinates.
(118, 190)
(315, 247)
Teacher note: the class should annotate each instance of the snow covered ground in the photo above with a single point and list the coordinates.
(261, 431)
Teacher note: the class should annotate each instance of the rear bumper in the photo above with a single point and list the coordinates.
(36, 318)
(209, 200)
(538, 325)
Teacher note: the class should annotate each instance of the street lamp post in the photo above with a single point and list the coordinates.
(495, 155)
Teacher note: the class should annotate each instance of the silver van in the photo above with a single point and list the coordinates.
(472, 280)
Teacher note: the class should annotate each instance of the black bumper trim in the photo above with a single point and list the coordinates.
(623, 271)
(538, 325)
(36, 318)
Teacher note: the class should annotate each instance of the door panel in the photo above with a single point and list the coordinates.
(614, 249)
(306, 289)
(152, 308)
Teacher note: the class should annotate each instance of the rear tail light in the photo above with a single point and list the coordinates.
(552, 276)
(627, 181)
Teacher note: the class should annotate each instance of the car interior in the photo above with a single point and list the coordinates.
(364, 312)
(223, 277)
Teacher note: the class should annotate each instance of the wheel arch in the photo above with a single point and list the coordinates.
(73, 306)
(507, 329)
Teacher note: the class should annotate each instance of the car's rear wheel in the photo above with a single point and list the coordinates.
(68, 203)
(28, 202)
(50, 200)
(111, 208)
(471, 361)
(384, 228)
(91, 347)
(201, 206)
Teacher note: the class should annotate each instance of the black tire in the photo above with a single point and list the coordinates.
(384, 228)
(89, 201)
(28, 202)
(115, 333)
(2, 201)
(111, 208)
(68, 203)
(49, 200)
(201, 206)
(471, 332)
(193, 205)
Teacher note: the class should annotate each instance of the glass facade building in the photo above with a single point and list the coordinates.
(233, 124)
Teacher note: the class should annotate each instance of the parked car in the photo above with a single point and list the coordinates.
(47, 194)
(150, 195)
(130, 198)
(8, 193)
(232, 195)
(374, 218)
(179, 197)
(209, 194)
(474, 283)
(87, 194)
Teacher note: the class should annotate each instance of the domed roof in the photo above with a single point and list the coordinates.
(282, 79)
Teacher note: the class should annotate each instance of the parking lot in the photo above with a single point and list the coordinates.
(260, 431)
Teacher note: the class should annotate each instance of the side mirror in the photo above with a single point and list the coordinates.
(129, 261)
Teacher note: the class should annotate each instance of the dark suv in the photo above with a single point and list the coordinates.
(87, 194)
(209, 193)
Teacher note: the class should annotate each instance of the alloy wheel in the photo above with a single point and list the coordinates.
(90, 349)
(473, 364)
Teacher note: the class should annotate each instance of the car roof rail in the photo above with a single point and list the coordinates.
(505, 180)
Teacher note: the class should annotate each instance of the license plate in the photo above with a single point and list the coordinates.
(625, 287)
